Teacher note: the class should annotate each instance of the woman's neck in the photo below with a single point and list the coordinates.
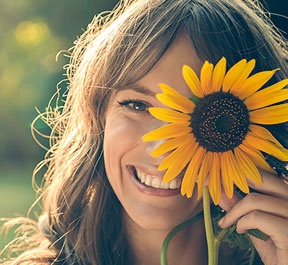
(187, 247)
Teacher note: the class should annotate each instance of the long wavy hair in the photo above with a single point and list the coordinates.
(81, 221)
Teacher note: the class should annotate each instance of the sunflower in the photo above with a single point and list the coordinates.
(218, 134)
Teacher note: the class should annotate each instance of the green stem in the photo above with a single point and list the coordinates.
(222, 234)
(252, 254)
(172, 233)
(217, 245)
(212, 243)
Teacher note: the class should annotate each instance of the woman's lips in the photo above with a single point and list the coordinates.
(162, 191)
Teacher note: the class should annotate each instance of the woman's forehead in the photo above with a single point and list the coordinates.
(168, 69)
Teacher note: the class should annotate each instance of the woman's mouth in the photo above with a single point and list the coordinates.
(156, 182)
(153, 184)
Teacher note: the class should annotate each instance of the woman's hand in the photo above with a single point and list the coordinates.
(267, 212)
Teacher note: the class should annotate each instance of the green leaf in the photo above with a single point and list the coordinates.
(258, 234)
(194, 99)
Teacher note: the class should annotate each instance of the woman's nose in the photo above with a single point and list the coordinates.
(152, 145)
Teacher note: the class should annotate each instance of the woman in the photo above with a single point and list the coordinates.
(95, 210)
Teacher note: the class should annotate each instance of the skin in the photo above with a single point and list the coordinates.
(267, 212)
(151, 217)
(148, 217)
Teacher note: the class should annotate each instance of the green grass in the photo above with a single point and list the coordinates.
(16, 197)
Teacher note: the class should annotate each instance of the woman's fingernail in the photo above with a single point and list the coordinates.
(221, 221)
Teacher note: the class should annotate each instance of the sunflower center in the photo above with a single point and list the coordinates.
(220, 122)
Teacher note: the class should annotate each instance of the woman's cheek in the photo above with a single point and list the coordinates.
(122, 137)
(122, 134)
(124, 129)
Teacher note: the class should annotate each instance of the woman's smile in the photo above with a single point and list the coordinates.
(153, 184)
(132, 171)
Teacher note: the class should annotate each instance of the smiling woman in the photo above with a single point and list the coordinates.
(127, 158)
(105, 202)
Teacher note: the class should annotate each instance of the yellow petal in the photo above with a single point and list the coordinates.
(178, 163)
(190, 175)
(204, 170)
(255, 82)
(233, 74)
(169, 115)
(206, 77)
(273, 88)
(257, 158)
(175, 98)
(267, 95)
(263, 133)
(176, 155)
(236, 172)
(174, 102)
(218, 75)
(169, 90)
(265, 146)
(214, 184)
(227, 180)
(236, 88)
(258, 102)
(270, 115)
(168, 131)
(173, 144)
(192, 81)
(248, 167)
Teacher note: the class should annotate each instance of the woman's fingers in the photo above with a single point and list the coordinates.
(255, 202)
(274, 226)
(271, 185)
(268, 214)
(275, 249)
(266, 211)
(270, 250)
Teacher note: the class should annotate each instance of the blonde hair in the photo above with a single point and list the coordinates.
(81, 221)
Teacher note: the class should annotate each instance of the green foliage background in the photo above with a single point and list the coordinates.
(32, 32)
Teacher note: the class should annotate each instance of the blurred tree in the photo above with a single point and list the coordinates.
(32, 33)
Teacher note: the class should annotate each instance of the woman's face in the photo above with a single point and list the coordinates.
(151, 204)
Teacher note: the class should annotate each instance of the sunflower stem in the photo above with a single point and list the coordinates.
(217, 245)
(252, 256)
(172, 233)
(222, 234)
(212, 242)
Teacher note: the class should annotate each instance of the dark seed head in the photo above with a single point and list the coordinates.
(220, 122)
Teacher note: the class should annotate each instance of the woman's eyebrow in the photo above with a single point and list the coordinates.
(138, 88)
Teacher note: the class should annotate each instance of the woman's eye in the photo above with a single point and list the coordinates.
(134, 105)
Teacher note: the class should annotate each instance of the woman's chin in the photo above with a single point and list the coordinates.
(161, 218)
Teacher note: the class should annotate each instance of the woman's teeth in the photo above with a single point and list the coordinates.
(155, 182)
